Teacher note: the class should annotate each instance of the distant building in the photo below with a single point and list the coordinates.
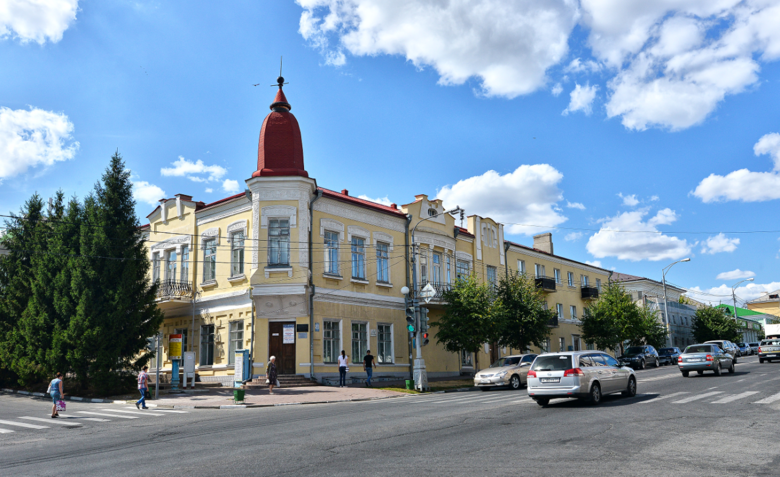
(768, 302)
(751, 322)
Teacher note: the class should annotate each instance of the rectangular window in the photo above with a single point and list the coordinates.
(209, 260)
(558, 276)
(576, 342)
(570, 277)
(598, 283)
(332, 253)
(384, 344)
(589, 346)
(573, 312)
(423, 267)
(185, 263)
(359, 342)
(491, 276)
(539, 270)
(237, 254)
(561, 344)
(358, 258)
(236, 340)
(436, 278)
(155, 267)
(207, 345)
(462, 269)
(449, 269)
(466, 359)
(330, 341)
(559, 310)
(521, 267)
(382, 267)
(279, 242)
(170, 266)
(584, 280)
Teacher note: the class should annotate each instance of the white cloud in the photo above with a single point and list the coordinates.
(147, 193)
(595, 263)
(380, 200)
(34, 137)
(654, 198)
(719, 243)
(194, 171)
(209, 190)
(509, 46)
(230, 186)
(38, 20)
(528, 195)
(581, 99)
(640, 240)
(735, 275)
(579, 66)
(575, 205)
(557, 89)
(743, 184)
(629, 200)
(722, 294)
(573, 236)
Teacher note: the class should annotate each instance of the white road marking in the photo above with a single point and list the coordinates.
(456, 399)
(697, 397)
(735, 397)
(739, 381)
(185, 412)
(661, 398)
(106, 415)
(52, 421)
(714, 387)
(769, 400)
(142, 413)
(19, 424)
(6, 431)
(469, 401)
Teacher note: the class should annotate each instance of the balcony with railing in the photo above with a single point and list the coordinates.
(178, 290)
(545, 283)
(553, 322)
(589, 292)
(440, 289)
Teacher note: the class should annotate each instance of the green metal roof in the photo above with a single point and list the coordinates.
(744, 311)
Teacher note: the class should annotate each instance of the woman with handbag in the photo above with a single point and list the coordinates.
(55, 390)
(270, 374)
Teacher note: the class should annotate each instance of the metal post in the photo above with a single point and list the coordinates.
(666, 315)
(420, 374)
(157, 368)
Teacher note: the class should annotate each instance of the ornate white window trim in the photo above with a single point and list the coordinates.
(464, 256)
(357, 232)
(383, 237)
(237, 226)
(333, 226)
(208, 234)
(278, 211)
(175, 242)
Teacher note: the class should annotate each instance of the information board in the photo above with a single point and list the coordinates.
(238, 376)
(189, 361)
(288, 334)
(174, 346)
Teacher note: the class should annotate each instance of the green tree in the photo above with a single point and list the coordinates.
(467, 322)
(518, 314)
(712, 324)
(651, 331)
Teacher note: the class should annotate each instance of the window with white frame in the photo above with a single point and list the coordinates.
(546, 345)
(171, 265)
(331, 337)
(539, 270)
(206, 345)
(382, 265)
(559, 310)
(584, 280)
(210, 260)
(573, 312)
(521, 267)
(462, 270)
(384, 354)
(237, 254)
(185, 263)
(358, 258)
(331, 252)
(423, 267)
(279, 242)
(561, 344)
(436, 277)
(359, 342)
(449, 269)
(598, 283)
(557, 274)
(466, 359)
(155, 267)
(570, 277)
(236, 340)
(491, 276)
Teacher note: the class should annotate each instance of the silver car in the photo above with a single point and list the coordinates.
(728, 347)
(705, 357)
(507, 371)
(587, 375)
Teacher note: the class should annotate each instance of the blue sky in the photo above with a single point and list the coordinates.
(593, 119)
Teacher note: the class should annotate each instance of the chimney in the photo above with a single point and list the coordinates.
(544, 243)
(345, 191)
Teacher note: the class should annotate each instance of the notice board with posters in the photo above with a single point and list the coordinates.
(288, 334)
(174, 346)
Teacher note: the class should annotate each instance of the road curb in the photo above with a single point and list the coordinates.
(48, 396)
(278, 404)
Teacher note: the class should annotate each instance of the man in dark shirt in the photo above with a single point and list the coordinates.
(368, 366)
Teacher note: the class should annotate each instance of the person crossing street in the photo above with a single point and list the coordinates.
(143, 379)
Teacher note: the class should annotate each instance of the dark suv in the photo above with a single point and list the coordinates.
(638, 357)
(669, 355)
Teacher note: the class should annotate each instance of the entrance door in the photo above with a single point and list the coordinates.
(493, 353)
(282, 345)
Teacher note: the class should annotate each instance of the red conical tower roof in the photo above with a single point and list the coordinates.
(280, 150)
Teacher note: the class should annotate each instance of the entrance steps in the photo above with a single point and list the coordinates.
(286, 380)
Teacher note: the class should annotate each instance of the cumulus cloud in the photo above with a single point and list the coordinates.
(32, 138)
(735, 275)
(557, 89)
(743, 184)
(38, 21)
(579, 66)
(595, 263)
(629, 200)
(716, 295)
(581, 99)
(575, 205)
(654, 198)
(195, 171)
(640, 239)
(380, 200)
(147, 193)
(719, 243)
(209, 190)
(529, 195)
(230, 186)
(508, 46)
(573, 236)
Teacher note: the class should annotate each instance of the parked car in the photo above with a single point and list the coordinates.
(726, 346)
(586, 375)
(705, 357)
(769, 350)
(507, 371)
(744, 349)
(754, 347)
(668, 355)
(638, 357)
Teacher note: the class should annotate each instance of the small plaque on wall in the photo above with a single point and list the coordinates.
(300, 328)
(372, 332)
(317, 327)
(302, 336)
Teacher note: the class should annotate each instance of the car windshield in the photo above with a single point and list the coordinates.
(770, 343)
(552, 363)
(753, 344)
(741, 345)
(698, 349)
(634, 350)
(508, 361)
(666, 351)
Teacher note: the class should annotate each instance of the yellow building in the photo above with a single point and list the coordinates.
(768, 302)
(301, 272)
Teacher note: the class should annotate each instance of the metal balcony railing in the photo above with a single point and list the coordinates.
(589, 293)
(170, 289)
(545, 283)
(440, 289)
(553, 323)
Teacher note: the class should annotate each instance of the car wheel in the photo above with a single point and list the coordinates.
(699, 372)
(542, 401)
(685, 374)
(656, 363)
(631, 390)
(594, 397)
(760, 360)
(642, 364)
(485, 389)
(731, 368)
(515, 383)
(717, 370)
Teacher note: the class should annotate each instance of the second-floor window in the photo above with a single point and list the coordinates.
(598, 283)
(279, 242)
(170, 266)
(185, 263)
(449, 269)
(584, 280)
(155, 267)
(521, 267)
(209, 260)
(491, 276)
(358, 258)
(558, 276)
(382, 267)
(559, 310)
(436, 278)
(573, 312)
(539, 270)
(462, 269)
(332, 253)
(570, 276)
(237, 254)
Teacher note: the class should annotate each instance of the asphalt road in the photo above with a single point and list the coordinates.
(702, 425)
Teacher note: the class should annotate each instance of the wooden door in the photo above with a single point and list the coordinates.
(284, 352)
(493, 353)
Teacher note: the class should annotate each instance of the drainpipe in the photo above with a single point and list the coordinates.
(312, 290)
(409, 286)
(506, 258)
(252, 339)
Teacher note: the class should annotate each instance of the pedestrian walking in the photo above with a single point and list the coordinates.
(368, 366)
(143, 379)
(55, 390)
(270, 374)
(343, 368)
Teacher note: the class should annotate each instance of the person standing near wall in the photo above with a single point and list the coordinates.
(270, 374)
(368, 366)
(343, 361)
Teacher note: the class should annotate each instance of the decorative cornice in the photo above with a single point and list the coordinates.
(359, 214)
(208, 234)
(232, 210)
(172, 243)
(464, 256)
(551, 258)
(328, 295)
(358, 231)
(438, 240)
(333, 226)
(277, 211)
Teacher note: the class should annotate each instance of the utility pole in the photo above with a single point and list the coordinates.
(734, 298)
(666, 306)
(157, 367)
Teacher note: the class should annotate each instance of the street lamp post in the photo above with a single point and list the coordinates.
(734, 297)
(666, 306)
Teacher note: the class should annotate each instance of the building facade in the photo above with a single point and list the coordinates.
(768, 302)
(751, 323)
(294, 270)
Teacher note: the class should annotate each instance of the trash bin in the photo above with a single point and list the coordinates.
(238, 395)
(409, 384)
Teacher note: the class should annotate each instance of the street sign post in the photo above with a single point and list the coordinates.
(428, 292)
(174, 354)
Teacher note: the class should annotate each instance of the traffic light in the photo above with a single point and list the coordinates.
(410, 319)
(424, 339)
(423, 319)
(151, 344)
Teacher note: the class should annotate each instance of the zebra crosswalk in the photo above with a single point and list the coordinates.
(79, 418)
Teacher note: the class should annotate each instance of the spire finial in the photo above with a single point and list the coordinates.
(280, 80)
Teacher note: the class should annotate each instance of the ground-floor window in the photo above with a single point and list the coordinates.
(330, 341)
(359, 341)
(576, 343)
(384, 352)
(236, 339)
(589, 346)
(183, 333)
(546, 347)
(207, 345)
(561, 344)
(466, 359)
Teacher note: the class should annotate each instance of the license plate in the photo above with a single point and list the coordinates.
(549, 380)
(485, 381)
(771, 355)
(694, 360)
